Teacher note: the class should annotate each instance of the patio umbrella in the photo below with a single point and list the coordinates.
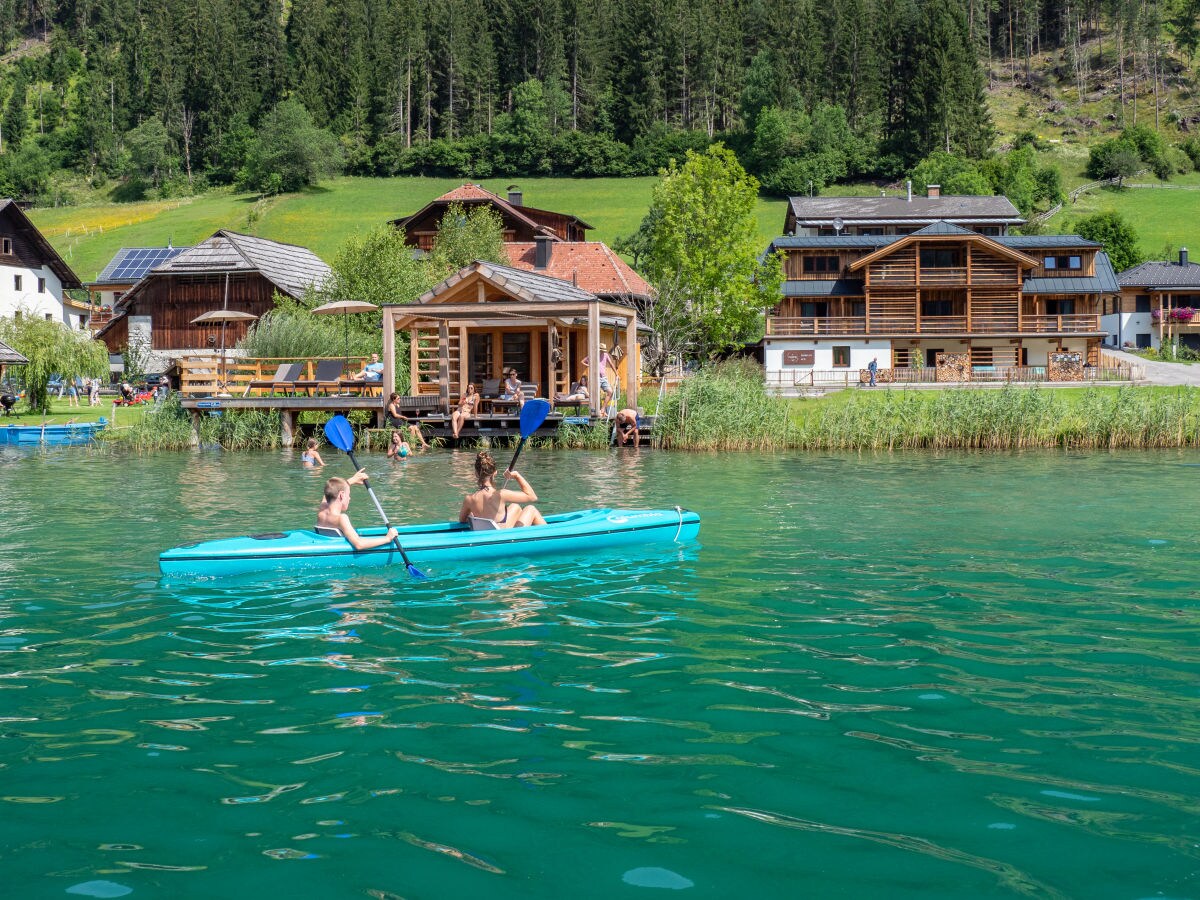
(345, 307)
(224, 316)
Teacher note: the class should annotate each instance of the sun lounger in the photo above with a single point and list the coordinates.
(285, 378)
(327, 377)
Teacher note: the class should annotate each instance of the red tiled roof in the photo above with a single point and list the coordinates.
(469, 192)
(591, 264)
(473, 193)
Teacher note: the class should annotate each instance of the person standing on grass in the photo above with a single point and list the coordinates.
(72, 393)
(872, 370)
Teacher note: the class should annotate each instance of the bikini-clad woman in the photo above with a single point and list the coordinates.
(491, 507)
(465, 409)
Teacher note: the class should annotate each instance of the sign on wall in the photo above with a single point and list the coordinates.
(799, 357)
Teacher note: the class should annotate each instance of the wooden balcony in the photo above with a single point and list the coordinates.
(949, 275)
(791, 326)
(1078, 323)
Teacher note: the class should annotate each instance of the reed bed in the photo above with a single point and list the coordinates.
(167, 426)
(723, 407)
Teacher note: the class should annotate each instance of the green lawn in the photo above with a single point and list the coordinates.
(322, 218)
(1161, 216)
(60, 412)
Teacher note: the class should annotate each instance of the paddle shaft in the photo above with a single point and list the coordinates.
(379, 508)
(512, 465)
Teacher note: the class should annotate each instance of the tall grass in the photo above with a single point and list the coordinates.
(168, 426)
(723, 407)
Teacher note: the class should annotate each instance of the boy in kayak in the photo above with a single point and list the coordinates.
(333, 521)
(489, 508)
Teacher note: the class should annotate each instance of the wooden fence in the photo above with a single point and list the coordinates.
(202, 374)
(815, 378)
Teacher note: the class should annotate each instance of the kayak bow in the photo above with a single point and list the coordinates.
(575, 532)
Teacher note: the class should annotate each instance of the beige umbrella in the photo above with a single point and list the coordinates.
(224, 316)
(345, 307)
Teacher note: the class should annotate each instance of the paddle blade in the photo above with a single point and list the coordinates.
(533, 414)
(416, 573)
(339, 433)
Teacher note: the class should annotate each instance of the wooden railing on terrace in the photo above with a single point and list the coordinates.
(202, 374)
(984, 321)
(802, 378)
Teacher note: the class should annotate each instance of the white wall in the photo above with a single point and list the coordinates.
(27, 299)
(1131, 324)
(861, 353)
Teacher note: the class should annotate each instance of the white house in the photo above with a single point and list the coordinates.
(32, 274)
(1159, 301)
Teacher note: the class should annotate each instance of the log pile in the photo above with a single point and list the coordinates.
(953, 367)
(883, 376)
(1065, 365)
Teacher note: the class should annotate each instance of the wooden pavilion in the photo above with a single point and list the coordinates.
(487, 318)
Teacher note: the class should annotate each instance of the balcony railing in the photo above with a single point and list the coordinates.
(1069, 324)
(948, 275)
(800, 327)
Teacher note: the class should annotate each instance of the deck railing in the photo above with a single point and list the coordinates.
(798, 327)
(1069, 324)
(890, 323)
(203, 374)
(816, 378)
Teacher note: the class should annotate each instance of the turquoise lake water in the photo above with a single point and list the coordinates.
(901, 676)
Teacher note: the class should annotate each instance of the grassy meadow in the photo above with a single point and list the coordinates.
(323, 217)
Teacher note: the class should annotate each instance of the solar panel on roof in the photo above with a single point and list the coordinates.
(131, 263)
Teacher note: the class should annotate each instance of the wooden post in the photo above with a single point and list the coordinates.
(593, 343)
(632, 375)
(287, 427)
(464, 359)
(413, 377)
(444, 364)
(389, 356)
(194, 438)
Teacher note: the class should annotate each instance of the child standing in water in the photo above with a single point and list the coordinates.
(311, 457)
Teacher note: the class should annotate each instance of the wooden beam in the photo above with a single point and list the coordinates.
(444, 365)
(389, 356)
(464, 359)
(594, 372)
(632, 375)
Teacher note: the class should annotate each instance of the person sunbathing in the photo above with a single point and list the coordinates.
(465, 410)
(490, 507)
(372, 371)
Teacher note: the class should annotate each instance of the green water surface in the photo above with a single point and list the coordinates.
(875, 676)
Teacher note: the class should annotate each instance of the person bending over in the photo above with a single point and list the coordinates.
(333, 521)
(393, 418)
(627, 428)
(491, 507)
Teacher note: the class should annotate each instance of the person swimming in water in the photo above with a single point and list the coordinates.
(310, 457)
(399, 447)
(490, 507)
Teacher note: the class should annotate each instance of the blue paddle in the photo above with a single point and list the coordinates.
(341, 435)
(533, 414)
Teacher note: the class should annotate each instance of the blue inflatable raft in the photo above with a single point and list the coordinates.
(575, 532)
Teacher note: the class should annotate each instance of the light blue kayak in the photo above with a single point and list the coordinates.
(50, 435)
(575, 532)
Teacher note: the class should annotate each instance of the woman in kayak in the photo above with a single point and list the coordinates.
(333, 521)
(491, 507)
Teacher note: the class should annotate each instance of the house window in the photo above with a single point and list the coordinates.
(49, 317)
(1143, 340)
(934, 308)
(990, 230)
(1063, 262)
(515, 354)
(1065, 307)
(813, 310)
(872, 232)
(841, 357)
(821, 264)
(6, 246)
(858, 308)
(940, 257)
(982, 357)
(41, 285)
(16, 282)
(1141, 303)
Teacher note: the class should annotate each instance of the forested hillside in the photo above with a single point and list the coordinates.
(163, 97)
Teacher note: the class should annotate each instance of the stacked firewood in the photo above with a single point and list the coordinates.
(954, 367)
(1065, 365)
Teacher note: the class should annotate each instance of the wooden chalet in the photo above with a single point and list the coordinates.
(127, 267)
(945, 299)
(885, 215)
(521, 223)
(228, 270)
(487, 318)
(1159, 303)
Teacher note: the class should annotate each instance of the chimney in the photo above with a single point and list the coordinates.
(933, 191)
(910, 192)
(543, 247)
(1183, 261)
(514, 195)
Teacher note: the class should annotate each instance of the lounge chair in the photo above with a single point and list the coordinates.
(528, 388)
(327, 376)
(285, 377)
(489, 392)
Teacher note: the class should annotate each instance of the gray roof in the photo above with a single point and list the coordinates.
(542, 287)
(1161, 274)
(948, 206)
(1049, 241)
(290, 268)
(844, 241)
(942, 227)
(10, 357)
(842, 287)
(129, 264)
(1103, 282)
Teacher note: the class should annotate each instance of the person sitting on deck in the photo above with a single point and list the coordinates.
(393, 418)
(465, 410)
(512, 388)
(310, 457)
(398, 448)
(489, 508)
(333, 521)
(578, 395)
(627, 428)
(372, 371)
